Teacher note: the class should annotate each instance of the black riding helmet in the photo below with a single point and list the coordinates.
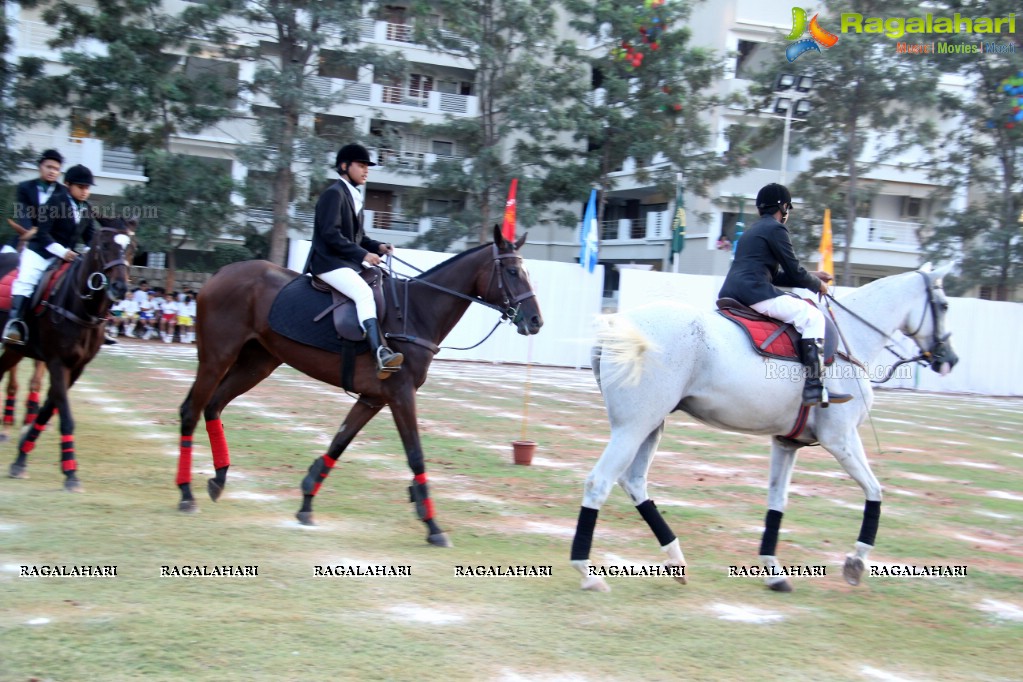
(352, 152)
(78, 175)
(772, 197)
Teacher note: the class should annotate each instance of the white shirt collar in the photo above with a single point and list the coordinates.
(355, 193)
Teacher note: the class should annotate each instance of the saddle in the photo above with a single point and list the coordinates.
(313, 313)
(47, 285)
(772, 338)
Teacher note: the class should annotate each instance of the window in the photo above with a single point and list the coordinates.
(986, 293)
(81, 124)
(912, 207)
(751, 57)
(442, 148)
(335, 129)
(331, 65)
(215, 81)
(419, 86)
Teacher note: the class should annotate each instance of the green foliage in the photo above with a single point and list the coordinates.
(523, 80)
(225, 254)
(186, 199)
(982, 151)
(14, 114)
(291, 45)
(862, 94)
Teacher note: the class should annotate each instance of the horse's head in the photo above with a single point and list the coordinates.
(928, 329)
(507, 285)
(109, 257)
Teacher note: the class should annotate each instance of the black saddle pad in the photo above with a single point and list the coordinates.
(292, 313)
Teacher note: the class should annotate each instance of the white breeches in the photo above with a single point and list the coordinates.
(30, 271)
(807, 319)
(348, 282)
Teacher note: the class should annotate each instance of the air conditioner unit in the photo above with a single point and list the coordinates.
(912, 207)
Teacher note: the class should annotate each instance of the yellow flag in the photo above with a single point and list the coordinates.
(826, 261)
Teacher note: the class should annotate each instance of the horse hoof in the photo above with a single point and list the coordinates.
(305, 518)
(18, 471)
(439, 540)
(73, 485)
(853, 570)
(214, 489)
(679, 578)
(780, 586)
(188, 507)
(595, 584)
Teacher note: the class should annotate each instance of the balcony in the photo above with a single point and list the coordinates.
(385, 32)
(655, 227)
(114, 162)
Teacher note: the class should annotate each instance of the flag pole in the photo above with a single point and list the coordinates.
(675, 255)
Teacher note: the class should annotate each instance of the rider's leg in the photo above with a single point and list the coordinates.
(30, 271)
(809, 322)
(349, 283)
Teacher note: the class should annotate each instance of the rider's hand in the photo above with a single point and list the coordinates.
(386, 249)
(70, 255)
(823, 276)
(372, 259)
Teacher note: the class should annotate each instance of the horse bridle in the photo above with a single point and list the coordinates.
(98, 280)
(926, 357)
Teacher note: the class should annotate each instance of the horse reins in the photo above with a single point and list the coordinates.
(509, 309)
(924, 355)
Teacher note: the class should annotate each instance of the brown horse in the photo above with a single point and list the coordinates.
(238, 349)
(69, 333)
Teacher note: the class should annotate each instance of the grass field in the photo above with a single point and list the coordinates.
(953, 495)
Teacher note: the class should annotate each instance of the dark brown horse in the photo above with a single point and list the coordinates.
(68, 334)
(238, 349)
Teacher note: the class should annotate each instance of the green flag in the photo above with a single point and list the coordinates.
(678, 225)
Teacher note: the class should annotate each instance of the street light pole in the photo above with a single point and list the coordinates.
(785, 143)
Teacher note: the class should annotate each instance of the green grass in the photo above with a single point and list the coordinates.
(287, 624)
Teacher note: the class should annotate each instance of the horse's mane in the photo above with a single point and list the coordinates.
(452, 260)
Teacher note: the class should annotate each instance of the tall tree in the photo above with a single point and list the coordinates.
(867, 103)
(523, 77)
(292, 44)
(144, 86)
(983, 152)
(650, 94)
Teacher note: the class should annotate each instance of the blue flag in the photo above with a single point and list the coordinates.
(589, 235)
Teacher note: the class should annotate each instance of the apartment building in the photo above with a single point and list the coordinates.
(636, 230)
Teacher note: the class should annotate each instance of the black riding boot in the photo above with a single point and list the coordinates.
(387, 360)
(15, 332)
(811, 352)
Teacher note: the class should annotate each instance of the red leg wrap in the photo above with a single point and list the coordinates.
(218, 443)
(67, 453)
(185, 461)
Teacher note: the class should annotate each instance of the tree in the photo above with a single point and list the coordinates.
(145, 86)
(291, 45)
(982, 152)
(867, 105)
(523, 77)
(650, 94)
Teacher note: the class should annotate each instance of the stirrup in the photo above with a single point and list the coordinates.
(391, 365)
(10, 328)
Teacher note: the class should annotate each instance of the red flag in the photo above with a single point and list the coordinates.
(508, 228)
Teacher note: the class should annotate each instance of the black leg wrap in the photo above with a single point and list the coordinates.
(583, 540)
(648, 510)
(772, 524)
(317, 472)
(420, 494)
(871, 519)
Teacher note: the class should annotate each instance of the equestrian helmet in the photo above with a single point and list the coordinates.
(353, 152)
(773, 197)
(51, 155)
(78, 175)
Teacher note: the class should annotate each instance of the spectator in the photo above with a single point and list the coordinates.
(186, 319)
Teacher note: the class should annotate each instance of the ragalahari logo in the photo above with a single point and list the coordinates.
(818, 36)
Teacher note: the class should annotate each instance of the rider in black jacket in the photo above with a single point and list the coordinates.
(764, 258)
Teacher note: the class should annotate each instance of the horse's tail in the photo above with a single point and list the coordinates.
(620, 351)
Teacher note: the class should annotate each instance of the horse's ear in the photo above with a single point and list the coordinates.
(943, 270)
(520, 242)
(498, 237)
(926, 268)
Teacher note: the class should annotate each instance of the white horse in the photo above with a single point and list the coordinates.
(665, 357)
